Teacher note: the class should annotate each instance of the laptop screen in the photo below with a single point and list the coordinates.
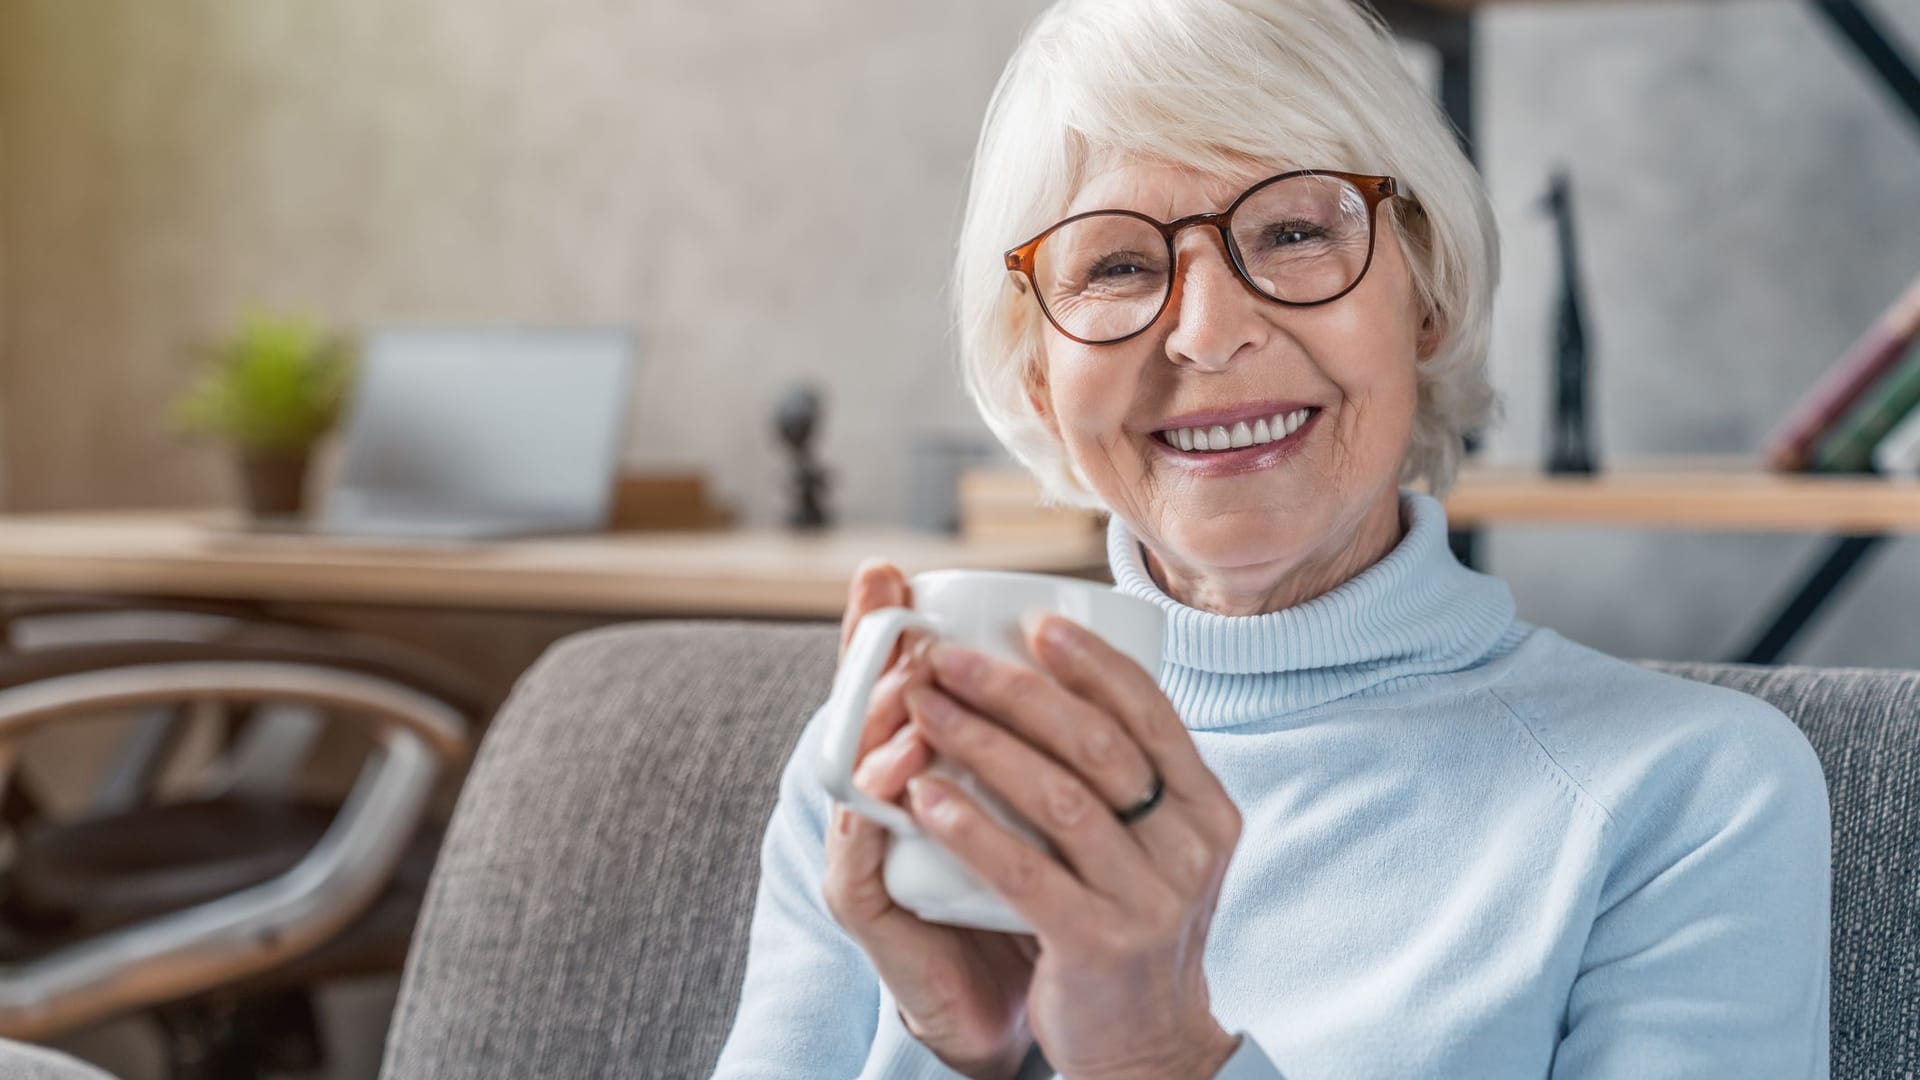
(509, 420)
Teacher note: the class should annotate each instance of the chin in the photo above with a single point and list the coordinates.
(1248, 539)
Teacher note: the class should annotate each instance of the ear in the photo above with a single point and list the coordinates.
(1040, 394)
(1433, 331)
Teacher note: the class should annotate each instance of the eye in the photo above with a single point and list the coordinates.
(1114, 266)
(1289, 233)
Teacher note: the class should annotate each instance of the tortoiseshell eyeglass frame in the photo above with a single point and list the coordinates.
(1374, 189)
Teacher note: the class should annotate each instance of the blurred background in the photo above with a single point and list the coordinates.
(765, 194)
(769, 192)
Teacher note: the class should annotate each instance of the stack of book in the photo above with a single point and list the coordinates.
(1002, 503)
(1864, 414)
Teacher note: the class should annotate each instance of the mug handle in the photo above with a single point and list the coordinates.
(846, 711)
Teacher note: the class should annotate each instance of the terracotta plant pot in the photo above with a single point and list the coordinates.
(274, 484)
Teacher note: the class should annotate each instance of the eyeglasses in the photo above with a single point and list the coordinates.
(1300, 238)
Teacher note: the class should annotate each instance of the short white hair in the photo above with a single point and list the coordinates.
(1214, 85)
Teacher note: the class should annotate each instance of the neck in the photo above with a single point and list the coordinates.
(1412, 617)
(1285, 584)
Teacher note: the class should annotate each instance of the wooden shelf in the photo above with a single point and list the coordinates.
(1685, 493)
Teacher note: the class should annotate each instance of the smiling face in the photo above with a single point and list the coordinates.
(1266, 525)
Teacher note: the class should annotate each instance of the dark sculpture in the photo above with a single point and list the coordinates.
(1572, 449)
(797, 418)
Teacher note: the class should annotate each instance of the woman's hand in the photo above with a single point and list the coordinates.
(1121, 914)
(961, 992)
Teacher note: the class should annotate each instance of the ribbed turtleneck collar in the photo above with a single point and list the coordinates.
(1415, 615)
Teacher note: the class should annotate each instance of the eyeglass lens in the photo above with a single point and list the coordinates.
(1302, 240)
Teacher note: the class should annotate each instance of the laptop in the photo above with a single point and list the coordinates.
(468, 433)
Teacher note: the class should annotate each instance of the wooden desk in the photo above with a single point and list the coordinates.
(1702, 494)
(744, 573)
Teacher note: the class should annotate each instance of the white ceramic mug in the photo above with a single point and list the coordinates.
(980, 609)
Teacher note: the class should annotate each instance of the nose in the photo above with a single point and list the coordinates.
(1215, 317)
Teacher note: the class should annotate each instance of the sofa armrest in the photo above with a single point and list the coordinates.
(587, 917)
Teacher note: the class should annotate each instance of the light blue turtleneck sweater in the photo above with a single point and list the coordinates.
(1472, 848)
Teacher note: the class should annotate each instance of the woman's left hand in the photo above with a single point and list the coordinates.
(1121, 914)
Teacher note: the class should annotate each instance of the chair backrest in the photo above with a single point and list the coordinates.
(588, 914)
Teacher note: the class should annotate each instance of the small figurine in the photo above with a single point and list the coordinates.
(797, 418)
(1572, 438)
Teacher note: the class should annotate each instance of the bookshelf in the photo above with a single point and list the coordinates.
(1857, 513)
(1448, 27)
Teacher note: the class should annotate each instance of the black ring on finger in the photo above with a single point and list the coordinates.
(1145, 806)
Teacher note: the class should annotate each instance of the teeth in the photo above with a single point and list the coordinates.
(1218, 437)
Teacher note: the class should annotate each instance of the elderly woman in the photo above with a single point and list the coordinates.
(1225, 274)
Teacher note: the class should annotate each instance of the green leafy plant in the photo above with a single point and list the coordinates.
(275, 386)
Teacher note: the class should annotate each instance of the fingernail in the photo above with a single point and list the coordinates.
(1054, 634)
(932, 706)
(925, 794)
(921, 646)
(865, 575)
(956, 664)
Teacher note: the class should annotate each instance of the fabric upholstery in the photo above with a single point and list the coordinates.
(18, 1061)
(588, 914)
(1865, 725)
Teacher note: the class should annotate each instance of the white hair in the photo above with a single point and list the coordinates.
(1214, 85)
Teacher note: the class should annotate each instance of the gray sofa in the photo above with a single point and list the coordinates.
(587, 916)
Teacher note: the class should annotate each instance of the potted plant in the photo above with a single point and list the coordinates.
(272, 389)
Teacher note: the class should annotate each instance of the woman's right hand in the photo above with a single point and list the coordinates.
(961, 992)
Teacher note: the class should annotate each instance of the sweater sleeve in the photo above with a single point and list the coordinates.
(810, 1001)
(810, 1004)
(1248, 1063)
(1709, 955)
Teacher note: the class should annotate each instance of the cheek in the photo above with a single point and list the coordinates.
(1371, 356)
(1091, 394)
(1382, 394)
